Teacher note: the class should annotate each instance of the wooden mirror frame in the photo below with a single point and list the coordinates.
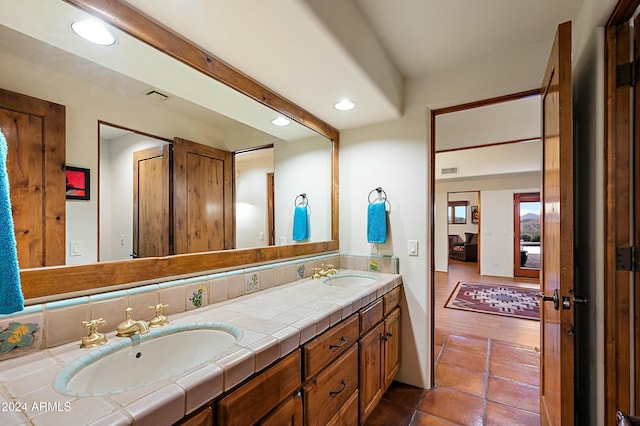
(51, 281)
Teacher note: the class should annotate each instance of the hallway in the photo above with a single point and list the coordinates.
(486, 367)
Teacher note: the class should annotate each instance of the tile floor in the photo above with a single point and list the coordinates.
(478, 381)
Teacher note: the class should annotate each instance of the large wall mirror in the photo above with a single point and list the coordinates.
(119, 103)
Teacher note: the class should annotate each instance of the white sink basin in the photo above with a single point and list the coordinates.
(350, 280)
(129, 363)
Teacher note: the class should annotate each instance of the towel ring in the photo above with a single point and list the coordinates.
(303, 201)
(382, 196)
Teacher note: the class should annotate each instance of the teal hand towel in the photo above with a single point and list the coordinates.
(377, 223)
(11, 299)
(301, 223)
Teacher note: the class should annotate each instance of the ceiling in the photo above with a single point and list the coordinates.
(316, 52)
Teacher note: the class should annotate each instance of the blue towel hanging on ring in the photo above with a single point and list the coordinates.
(377, 223)
(301, 223)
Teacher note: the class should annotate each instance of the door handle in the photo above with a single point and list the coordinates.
(555, 299)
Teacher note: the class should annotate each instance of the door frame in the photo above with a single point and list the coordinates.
(523, 197)
(619, 330)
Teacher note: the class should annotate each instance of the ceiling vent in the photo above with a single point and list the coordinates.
(156, 96)
(449, 170)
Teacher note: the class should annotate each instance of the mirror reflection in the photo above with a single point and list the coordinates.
(120, 85)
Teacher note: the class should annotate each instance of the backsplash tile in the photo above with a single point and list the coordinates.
(197, 295)
(236, 285)
(111, 310)
(218, 289)
(20, 336)
(175, 297)
(252, 281)
(64, 325)
(139, 303)
(266, 278)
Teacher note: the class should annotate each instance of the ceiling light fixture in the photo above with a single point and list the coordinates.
(94, 32)
(280, 121)
(345, 105)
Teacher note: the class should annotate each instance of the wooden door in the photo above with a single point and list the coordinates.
(556, 313)
(152, 224)
(203, 198)
(391, 346)
(35, 134)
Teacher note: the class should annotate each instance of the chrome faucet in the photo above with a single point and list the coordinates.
(129, 327)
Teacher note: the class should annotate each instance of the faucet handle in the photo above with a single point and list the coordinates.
(93, 338)
(159, 319)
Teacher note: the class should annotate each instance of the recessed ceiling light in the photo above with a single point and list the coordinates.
(345, 105)
(93, 31)
(280, 121)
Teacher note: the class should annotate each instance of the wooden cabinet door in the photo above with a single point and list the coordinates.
(371, 367)
(255, 399)
(289, 413)
(203, 198)
(152, 233)
(203, 418)
(391, 346)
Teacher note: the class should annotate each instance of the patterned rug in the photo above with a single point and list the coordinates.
(494, 299)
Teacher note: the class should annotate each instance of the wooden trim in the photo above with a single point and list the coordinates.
(149, 135)
(58, 280)
(622, 12)
(488, 145)
(486, 102)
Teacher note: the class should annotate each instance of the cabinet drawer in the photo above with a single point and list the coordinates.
(325, 395)
(289, 413)
(370, 316)
(326, 347)
(253, 400)
(348, 414)
(391, 300)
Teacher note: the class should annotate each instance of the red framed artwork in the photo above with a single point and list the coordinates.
(77, 183)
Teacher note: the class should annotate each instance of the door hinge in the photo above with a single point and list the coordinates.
(627, 74)
(627, 259)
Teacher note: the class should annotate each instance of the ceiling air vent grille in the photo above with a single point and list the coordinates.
(449, 170)
(156, 95)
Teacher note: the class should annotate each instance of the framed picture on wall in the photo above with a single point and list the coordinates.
(474, 214)
(77, 183)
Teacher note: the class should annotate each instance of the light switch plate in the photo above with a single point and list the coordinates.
(413, 247)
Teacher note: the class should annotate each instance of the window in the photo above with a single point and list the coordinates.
(457, 212)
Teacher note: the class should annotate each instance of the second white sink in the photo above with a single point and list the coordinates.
(350, 280)
(144, 359)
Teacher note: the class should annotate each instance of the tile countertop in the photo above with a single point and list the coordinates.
(274, 322)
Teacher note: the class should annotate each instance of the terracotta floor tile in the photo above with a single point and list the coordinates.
(405, 395)
(514, 394)
(424, 419)
(469, 344)
(462, 359)
(524, 373)
(387, 413)
(459, 379)
(512, 353)
(500, 415)
(454, 406)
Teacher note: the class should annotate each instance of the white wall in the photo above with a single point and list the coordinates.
(303, 167)
(251, 170)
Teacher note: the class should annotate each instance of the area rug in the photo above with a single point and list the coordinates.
(495, 299)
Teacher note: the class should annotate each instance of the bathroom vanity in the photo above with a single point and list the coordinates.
(313, 351)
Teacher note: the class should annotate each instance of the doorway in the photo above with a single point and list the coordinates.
(470, 145)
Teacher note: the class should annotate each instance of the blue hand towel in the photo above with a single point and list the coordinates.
(11, 299)
(301, 223)
(377, 223)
